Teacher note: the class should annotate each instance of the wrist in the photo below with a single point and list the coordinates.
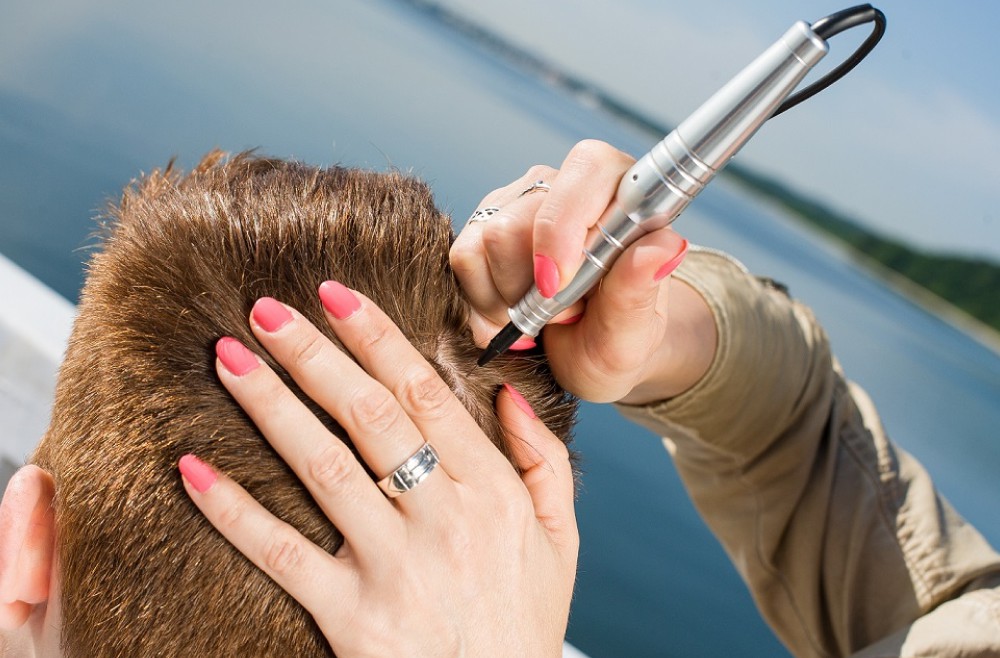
(686, 351)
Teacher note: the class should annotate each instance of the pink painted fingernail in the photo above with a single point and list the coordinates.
(235, 356)
(270, 314)
(519, 400)
(198, 473)
(546, 276)
(338, 300)
(671, 264)
(525, 343)
(572, 320)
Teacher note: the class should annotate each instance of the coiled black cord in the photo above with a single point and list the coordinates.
(832, 25)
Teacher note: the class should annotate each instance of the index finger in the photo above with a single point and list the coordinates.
(586, 184)
(388, 356)
(486, 254)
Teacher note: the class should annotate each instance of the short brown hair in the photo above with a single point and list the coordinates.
(183, 260)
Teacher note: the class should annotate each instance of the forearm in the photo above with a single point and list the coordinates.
(840, 536)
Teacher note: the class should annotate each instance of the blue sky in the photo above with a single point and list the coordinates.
(907, 143)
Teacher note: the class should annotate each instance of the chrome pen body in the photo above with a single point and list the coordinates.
(660, 185)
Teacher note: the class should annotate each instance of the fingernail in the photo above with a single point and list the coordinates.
(519, 400)
(671, 264)
(546, 276)
(235, 356)
(572, 320)
(338, 299)
(198, 473)
(270, 314)
(523, 344)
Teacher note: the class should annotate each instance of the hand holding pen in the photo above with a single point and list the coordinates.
(616, 343)
(656, 189)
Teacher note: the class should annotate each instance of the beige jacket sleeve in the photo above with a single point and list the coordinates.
(840, 535)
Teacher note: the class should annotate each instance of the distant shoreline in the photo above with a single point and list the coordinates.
(976, 329)
(963, 291)
(953, 288)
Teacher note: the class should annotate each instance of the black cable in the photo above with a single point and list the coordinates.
(830, 26)
(834, 24)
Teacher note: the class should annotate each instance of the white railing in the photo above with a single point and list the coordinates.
(34, 326)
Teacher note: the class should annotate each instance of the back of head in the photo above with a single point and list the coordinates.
(183, 261)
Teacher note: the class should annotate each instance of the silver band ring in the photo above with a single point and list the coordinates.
(537, 186)
(412, 472)
(483, 214)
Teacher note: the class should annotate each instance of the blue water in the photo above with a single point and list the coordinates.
(119, 90)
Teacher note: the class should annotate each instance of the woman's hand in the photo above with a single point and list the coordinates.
(473, 561)
(617, 343)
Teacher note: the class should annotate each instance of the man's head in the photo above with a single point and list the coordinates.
(183, 261)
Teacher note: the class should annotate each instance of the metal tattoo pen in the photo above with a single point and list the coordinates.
(664, 181)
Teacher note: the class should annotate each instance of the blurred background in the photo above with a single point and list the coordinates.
(467, 95)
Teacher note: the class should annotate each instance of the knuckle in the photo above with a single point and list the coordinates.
(374, 338)
(376, 410)
(501, 232)
(270, 399)
(492, 237)
(595, 149)
(463, 258)
(332, 467)
(424, 393)
(589, 156)
(558, 451)
(565, 528)
(232, 516)
(586, 154)
(307, 350)
(283, 552)
(540, 172)
(551, 213)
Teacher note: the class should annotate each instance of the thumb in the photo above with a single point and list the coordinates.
(545, 468)
(601, 358)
